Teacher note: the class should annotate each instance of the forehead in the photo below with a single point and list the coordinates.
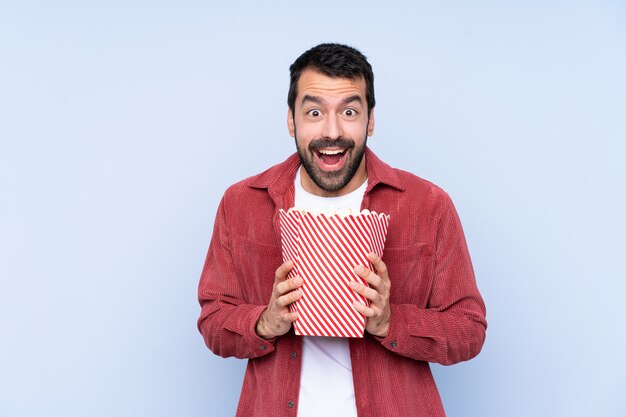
(317, 84)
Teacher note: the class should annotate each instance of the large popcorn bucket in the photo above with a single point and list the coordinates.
(325, 248)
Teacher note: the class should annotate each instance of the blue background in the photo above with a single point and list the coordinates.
(121, 125)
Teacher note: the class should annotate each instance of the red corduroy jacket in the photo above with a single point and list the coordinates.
(437, 313)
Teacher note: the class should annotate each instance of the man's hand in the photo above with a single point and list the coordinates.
(276, 319)
(378, 313)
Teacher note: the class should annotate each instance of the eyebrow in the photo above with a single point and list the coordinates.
(350, 99)
(313, 99)
(320, 101)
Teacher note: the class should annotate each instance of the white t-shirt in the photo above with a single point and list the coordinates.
(326, 384)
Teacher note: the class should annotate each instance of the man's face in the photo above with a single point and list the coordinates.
(331, 126)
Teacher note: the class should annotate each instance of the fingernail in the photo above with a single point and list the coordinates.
(352, 284)
(359, 268)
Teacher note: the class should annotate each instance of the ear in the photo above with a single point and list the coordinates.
(370, 124)
(290, 123)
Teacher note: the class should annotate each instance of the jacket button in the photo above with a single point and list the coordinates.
(262, 347)
(293, 355)
(291, 404)
(394, 344)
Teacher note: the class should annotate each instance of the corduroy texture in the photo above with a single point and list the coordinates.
(437, 313)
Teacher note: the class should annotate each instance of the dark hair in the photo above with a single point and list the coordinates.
(334, 60)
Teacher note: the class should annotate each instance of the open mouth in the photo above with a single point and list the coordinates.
(331, 158)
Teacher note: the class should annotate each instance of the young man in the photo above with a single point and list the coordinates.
(424, 305)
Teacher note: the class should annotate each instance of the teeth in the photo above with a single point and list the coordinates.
(330, 152)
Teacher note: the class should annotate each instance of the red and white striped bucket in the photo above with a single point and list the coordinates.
(325, 248)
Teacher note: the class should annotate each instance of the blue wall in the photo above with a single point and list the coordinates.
(122, 124)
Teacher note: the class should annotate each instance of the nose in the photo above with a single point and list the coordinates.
(332, 127)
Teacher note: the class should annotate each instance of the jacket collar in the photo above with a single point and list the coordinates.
(279, 178)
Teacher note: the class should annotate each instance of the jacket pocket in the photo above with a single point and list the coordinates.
(410, 272)
(256, 265)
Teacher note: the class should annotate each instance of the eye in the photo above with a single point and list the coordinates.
(349, 112)
(314, 113)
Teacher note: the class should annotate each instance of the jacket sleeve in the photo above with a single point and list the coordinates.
(452, 327)
(227, 323)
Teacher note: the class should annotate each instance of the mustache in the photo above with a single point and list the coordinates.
(318, 144)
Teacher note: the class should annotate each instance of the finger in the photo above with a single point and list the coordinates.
(290, 317)
(285, 300)
(368, 276)
(283, 271)
(288, 285)
(363, 309)
(379, 266)
(367, 292)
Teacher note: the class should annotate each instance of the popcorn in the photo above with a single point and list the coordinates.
(325, 246)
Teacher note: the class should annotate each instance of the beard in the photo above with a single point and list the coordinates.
(331, 181)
